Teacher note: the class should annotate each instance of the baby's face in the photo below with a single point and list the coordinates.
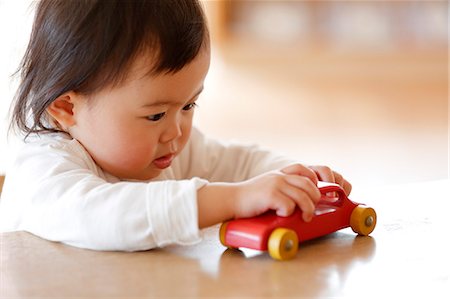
(135, 130)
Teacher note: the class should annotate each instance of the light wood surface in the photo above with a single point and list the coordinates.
(2, 180)
(406, 257)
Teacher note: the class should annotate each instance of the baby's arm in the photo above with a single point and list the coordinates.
(282, 191)
(69, 199)
(251, 186)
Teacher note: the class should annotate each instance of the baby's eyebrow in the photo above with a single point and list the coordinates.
(166, 102)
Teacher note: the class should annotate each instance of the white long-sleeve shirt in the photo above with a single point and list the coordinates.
(56, 191)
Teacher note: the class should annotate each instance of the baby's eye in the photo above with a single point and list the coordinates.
(189, 106)
(156, 117)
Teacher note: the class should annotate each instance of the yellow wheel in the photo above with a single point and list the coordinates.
(222, 231)
(283, 244)
(363, 220)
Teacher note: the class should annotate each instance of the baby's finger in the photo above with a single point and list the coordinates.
(347, 187)
(282, 204)
(324, 173)
(339, 179)
(301, 170)
(302, 199)
(306, 185)
(342, 182)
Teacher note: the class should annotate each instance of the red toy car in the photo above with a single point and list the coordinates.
(281, 235)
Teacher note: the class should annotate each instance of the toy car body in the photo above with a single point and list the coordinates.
(281, 235)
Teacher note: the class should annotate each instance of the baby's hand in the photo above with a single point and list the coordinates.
(281, 191)
(326, 174)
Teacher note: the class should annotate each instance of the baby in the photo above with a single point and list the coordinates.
(111, 159)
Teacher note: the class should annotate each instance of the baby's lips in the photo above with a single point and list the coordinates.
(163, 162)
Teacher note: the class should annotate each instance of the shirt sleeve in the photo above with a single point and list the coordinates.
(228, 162)
(56, 193)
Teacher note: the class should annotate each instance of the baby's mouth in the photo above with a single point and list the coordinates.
(164, 161)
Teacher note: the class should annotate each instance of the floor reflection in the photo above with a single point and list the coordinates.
(321, 267)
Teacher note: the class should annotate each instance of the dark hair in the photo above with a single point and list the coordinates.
(85, 45)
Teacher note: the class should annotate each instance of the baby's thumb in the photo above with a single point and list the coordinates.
(299, 169)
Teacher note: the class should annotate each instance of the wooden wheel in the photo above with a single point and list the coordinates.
(283, 244)
(363, 220)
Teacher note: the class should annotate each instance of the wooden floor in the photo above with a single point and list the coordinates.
(406, 256)
(379, 118)
(2, 179)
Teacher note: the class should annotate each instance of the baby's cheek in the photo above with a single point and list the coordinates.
(135, 158)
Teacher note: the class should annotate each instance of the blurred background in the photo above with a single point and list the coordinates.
(361, 86)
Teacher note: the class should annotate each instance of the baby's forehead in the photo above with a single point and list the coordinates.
(146, 64)
(142, 65)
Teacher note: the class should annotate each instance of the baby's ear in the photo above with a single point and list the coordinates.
(61, 110)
